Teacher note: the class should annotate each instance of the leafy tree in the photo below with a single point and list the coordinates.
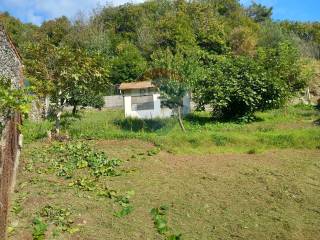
(271, 34)
(243, 41)
(175, 31)
(259, 12)
(85, 98)
(56, 30)
(90, 36)
(174, 74)
(238, 86)
(283, 63)
(60, 71)
(209, 29)
(128, 64)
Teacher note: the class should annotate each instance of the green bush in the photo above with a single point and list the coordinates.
(237, 87)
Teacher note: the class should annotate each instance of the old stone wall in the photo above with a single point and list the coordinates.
(11, 68)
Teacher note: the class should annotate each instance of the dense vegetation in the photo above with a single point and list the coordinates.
(241, 61)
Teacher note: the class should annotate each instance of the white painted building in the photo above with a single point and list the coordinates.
(142, 100)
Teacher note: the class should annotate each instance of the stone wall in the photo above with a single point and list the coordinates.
(11, 68)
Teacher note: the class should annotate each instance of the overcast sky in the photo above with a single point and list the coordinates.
(36, 11)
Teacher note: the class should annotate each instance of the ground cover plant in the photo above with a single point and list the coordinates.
(103, 184)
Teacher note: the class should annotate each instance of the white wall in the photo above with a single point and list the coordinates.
(157, 112)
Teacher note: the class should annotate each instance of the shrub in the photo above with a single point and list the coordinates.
(237, 87)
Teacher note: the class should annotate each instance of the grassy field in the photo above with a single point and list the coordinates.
(129, 179)
(284, 128)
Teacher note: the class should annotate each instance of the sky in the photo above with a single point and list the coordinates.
(37, 11)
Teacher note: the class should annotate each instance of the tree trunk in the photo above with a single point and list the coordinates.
(60, 106)
(74, 110)
(180, 119)
(58, 121)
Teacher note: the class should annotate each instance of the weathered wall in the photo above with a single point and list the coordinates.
(10, 67)
(115, 101)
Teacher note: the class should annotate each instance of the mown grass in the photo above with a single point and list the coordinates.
(246, 192)
(293, 127)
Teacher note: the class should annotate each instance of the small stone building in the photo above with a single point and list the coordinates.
(10, 143)
(142, 100)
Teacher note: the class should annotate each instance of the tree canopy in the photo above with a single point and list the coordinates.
(118, 44)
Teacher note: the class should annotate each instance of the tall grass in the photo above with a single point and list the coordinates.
(292, 127)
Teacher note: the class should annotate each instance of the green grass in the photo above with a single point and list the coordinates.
(293, 127)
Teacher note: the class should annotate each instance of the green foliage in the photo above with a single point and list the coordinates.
(237, 87)
(283, 64)
(159, 216)
(176, 75)
(71, 157)
(176, 31)
(39, 229)
(243, 41)
(55, 216)
(85, 98)
(60, 217)
(19, 32)
(128, 64)
(56, 30)
(13, 99)
(124, 202)
(259, 13)
(65, 74)
(75, 61)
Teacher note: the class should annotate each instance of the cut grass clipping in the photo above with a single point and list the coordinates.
(159, 216)
(84, 166)
(50, 215)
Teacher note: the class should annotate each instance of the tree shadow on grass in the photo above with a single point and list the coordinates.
(202, 118)
(199, 119)
(317, 107)
(68, 118)
(137, 125)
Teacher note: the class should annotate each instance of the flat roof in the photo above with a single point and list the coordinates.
(136, 85)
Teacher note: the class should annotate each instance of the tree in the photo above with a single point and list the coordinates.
(243, 41)
(85, 98)
(209, 29)
(283, 63)
(175, 31)
(61, 71)
(238, 86)
(56, 30)
(174, 75)
(259, 13)
(128, 64)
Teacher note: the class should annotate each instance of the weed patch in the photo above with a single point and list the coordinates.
(39, 229)
(55, 216)
(159, 216)
(79, 155)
